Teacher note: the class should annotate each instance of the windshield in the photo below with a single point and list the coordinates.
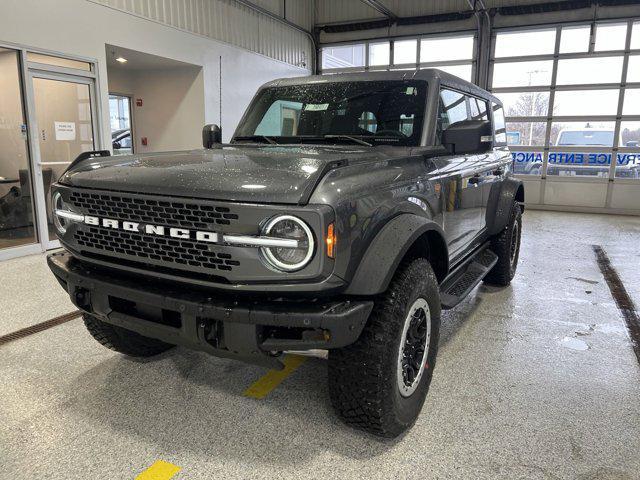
(586, 137)
(374, 113)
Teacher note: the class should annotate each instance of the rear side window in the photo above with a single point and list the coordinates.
(499, 129)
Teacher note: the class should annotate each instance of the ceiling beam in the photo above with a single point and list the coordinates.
(477, 5)
(379, 7)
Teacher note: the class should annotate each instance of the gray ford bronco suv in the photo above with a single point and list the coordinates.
(344, 214)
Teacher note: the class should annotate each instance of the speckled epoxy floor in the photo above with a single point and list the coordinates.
(537, 380)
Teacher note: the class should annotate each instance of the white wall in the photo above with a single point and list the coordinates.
(121, 80)
(78, 27)
(172, 113)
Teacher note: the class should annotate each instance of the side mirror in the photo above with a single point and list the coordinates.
(116, 146)
(211, 136)
(469, 136)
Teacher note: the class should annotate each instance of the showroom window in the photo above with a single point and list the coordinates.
(451, 53)
(344, 56)
(571, 97)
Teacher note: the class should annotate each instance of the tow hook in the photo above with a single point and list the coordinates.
(83, 299)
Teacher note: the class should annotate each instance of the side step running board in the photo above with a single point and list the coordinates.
(465, 278)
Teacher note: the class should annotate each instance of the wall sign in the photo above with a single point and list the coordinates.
(576, 158)
(65, 130)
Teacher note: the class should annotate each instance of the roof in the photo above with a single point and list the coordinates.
(426, 74)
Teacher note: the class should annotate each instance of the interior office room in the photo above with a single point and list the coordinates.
(146, 124)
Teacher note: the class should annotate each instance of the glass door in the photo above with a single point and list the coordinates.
(17, 225)
(64, 121)
(120, 121)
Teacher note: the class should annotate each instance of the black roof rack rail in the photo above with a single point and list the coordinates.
(87, 155)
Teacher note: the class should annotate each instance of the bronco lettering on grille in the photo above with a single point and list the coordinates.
(173, 232)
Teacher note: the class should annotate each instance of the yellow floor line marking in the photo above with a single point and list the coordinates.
(160, 470)
(270, 380)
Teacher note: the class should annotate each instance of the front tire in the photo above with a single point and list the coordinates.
(122, 340)
(380, 382)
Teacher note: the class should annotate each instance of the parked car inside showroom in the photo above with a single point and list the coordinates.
(346, 212)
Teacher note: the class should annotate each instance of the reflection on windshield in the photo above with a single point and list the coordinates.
(365, 113)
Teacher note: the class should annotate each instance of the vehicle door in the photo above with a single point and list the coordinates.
(459, 177)
(491, 162)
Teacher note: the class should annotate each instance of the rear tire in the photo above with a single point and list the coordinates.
(506, 245)
(380, 382)
(122, 340)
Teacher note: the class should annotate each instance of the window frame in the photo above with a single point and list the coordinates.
(552, 88)
(467, 98)
(417, 64)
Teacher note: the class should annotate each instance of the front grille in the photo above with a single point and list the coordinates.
(169, 250)
(158, 212)
(154, 250)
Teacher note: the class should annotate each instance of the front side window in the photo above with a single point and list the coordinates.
(453, 109)
(478, 109)
(457, 107)
(389, 112)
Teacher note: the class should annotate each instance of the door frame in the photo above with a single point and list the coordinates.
(132, 120)
(36, 159)
(26, 69)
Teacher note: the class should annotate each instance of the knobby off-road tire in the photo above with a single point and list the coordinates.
(366, 378)
(506, 244)
(123, 340)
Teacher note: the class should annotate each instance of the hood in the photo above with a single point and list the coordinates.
(243, 173)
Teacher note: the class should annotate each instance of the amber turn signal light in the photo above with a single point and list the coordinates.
(331, 241)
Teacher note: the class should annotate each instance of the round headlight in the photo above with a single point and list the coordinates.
(61, 224)
(286, 258)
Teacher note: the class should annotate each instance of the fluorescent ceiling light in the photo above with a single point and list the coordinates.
(121, 60)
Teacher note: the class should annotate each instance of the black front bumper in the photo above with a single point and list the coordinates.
(252, 330)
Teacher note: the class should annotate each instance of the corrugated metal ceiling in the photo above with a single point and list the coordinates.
(231, 22)
(337, 11)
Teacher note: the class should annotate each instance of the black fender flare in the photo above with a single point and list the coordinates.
(388, 248)
(501, 197)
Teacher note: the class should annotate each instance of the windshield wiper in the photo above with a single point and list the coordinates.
(264, 138)
(349, 137)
